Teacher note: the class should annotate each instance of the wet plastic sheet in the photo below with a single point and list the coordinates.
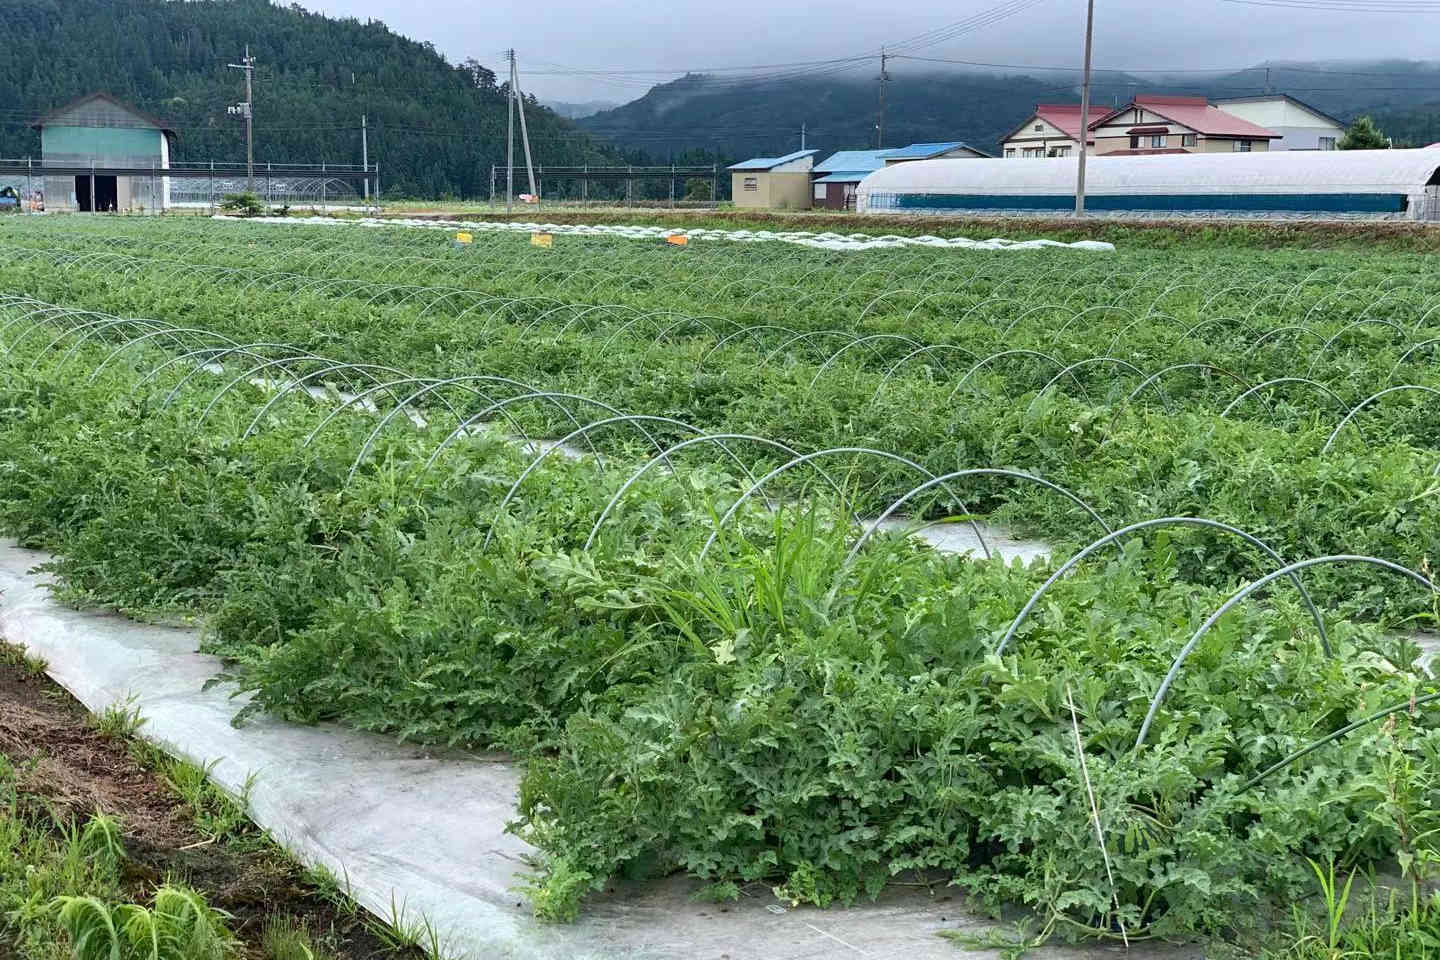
(422, 831)
(850, 242)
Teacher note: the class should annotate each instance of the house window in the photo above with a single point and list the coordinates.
(751, 183)
(1327, 143)
(1243, 146)
(1039, 128)
(1059, 151)
(1034, 151)
(1009, 153)
(1135, 143)
(1187, 139)
(1158, 140)
(819, 191)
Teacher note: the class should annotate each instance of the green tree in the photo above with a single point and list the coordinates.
(435, 127)
(1363, 135)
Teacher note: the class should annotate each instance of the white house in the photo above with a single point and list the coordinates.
(1300, 125)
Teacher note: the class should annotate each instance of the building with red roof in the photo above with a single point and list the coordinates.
(1154, 124)
(1053, 130)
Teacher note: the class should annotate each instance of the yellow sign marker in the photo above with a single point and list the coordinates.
(542, 239)
(464, 238)
(678, 241)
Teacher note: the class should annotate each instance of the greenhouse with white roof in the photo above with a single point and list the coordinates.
(1355, 184)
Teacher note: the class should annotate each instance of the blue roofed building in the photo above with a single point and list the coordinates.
(949, 150)
(775, 183)
(840, 174)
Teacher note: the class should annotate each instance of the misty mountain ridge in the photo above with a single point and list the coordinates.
(577, 111)
(738, 118)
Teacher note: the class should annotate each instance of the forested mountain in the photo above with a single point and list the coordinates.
(435, 127)
(1415, 127)
(577, 110)
(739, 119)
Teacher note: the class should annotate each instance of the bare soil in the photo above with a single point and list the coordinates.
(72, 769)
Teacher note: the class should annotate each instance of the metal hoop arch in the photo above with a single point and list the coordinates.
(1244, 592)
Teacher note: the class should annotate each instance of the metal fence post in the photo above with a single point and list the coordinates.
(324, 208)
(212, 186)
(30, 183)
(269, 193)
(715, 183)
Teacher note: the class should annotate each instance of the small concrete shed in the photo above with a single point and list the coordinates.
(773, 183)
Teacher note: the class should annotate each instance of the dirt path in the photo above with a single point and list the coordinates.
(75, 770)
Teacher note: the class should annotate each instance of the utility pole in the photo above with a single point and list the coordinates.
(880, 122)
(510, 140)
(1084, 112)
(365, 155)
(247, 110)
(524, 134)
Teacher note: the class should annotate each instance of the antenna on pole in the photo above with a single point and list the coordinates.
(802, 136)
(247, 110)
(1084, 113)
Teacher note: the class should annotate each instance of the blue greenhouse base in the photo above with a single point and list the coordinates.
(1384, 206)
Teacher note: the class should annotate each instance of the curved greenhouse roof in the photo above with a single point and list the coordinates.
(1388, 183)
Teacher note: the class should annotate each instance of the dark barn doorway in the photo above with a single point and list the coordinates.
(107, 193)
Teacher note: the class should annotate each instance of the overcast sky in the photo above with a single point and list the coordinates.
(622, 35)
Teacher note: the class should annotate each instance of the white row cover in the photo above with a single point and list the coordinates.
(823, 241)
(1278, 172)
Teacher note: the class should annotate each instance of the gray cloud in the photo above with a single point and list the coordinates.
(611, 35)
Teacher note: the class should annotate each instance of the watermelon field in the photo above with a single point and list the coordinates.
(610, 505)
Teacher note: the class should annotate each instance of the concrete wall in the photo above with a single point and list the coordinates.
(772, 191)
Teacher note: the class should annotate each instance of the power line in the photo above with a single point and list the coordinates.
(811, 68)
(1349, 6)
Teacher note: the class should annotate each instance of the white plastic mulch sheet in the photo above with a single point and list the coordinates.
(422, 832)
(823, 241)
